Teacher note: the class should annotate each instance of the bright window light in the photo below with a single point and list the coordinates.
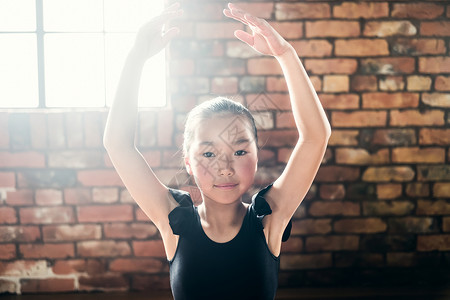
(18, 71)
(70, 53)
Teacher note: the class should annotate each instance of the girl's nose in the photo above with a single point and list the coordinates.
(225, 166)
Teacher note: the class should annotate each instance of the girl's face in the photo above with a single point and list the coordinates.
(223, 158)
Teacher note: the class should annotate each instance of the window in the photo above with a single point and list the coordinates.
(69, 53)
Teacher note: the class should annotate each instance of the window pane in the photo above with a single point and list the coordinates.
(153, 81)
(129, 15)
(18, 71)
(74, 70)
(73, 16)
(17, 15)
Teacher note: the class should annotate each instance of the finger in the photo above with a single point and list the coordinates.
(245, 37)
(228, 13)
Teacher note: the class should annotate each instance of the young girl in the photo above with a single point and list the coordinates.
(223, 248)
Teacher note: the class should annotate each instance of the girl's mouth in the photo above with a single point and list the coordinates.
(226, 186)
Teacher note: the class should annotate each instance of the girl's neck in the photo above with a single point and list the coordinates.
(219, 216)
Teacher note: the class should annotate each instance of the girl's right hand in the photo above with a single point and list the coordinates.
(152, 37)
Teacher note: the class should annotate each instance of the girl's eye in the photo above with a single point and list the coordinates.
(208, 154)
(240, 152)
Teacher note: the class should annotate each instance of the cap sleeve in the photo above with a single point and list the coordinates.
(261, 208)
(182, 216)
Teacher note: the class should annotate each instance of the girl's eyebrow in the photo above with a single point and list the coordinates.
(239, 141)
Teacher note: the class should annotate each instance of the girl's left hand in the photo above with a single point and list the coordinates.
(263, 39)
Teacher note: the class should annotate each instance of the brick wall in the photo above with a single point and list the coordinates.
(377, 214)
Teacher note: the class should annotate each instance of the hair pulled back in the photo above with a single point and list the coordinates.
(214, 108)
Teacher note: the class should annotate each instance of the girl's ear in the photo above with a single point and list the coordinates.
(188, 165)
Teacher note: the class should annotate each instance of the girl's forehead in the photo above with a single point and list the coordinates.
(223, 128)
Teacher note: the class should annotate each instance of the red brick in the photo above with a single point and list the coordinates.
(339, 101)
(99, 178)
(361, 47)
(4, 133)
(439, 28)
(332, 29)
(89, 266)
(436, 207)
(442, 83)
(264, 120)
(337, 173)
(387, 174)
(296, 11)
(105, 195)
(19, 197)
(389, 191)
(363, 83)
(416, 118)
(388, 65)
(224, 85)
(436, 99)
(434, 65)
(165, 128)
(130, 231)
(216, 30)
(55, 131)
(417, 189)
(332, 191)
(151, 283)
(105, 213)
(332, 243)
(285, 120)
(147, 265)
(293, 245)
(446, 224)
(306, 261)
(389, 28)
(311, 226)
(46, 215)
(48, 197)
(24, 268)
(75, 159)
(418, 83)
(47, 285)
(417, 10)
(418, 155)
(19, 233)
(416, 47)
(433, 242)
(47, 250)
(263, 66)
(38, 130)
(105, 282)
(313, 48)
(268, 101)
(361, 156)
(441, 190)
(436, 172)
(288, 30)
(392, 137)
(7, 215)
(74, 129)
(55, 233)
(77, 196)
(367, 225)
(389, 208)
(22, 160)
(335, 83)
(343, 138)
(103, 248)
(7, 180)
(392, 83)
(390, 100)
(348, 10)
(277, 138)
(154, 248)
(358, 119)
(331, 66)
(93, 130)
(334, 208)
(7, 251)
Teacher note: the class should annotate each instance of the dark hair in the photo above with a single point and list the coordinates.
(210, 109)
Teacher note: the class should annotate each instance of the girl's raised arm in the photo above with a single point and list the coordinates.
(314, 129)
(151, 195)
